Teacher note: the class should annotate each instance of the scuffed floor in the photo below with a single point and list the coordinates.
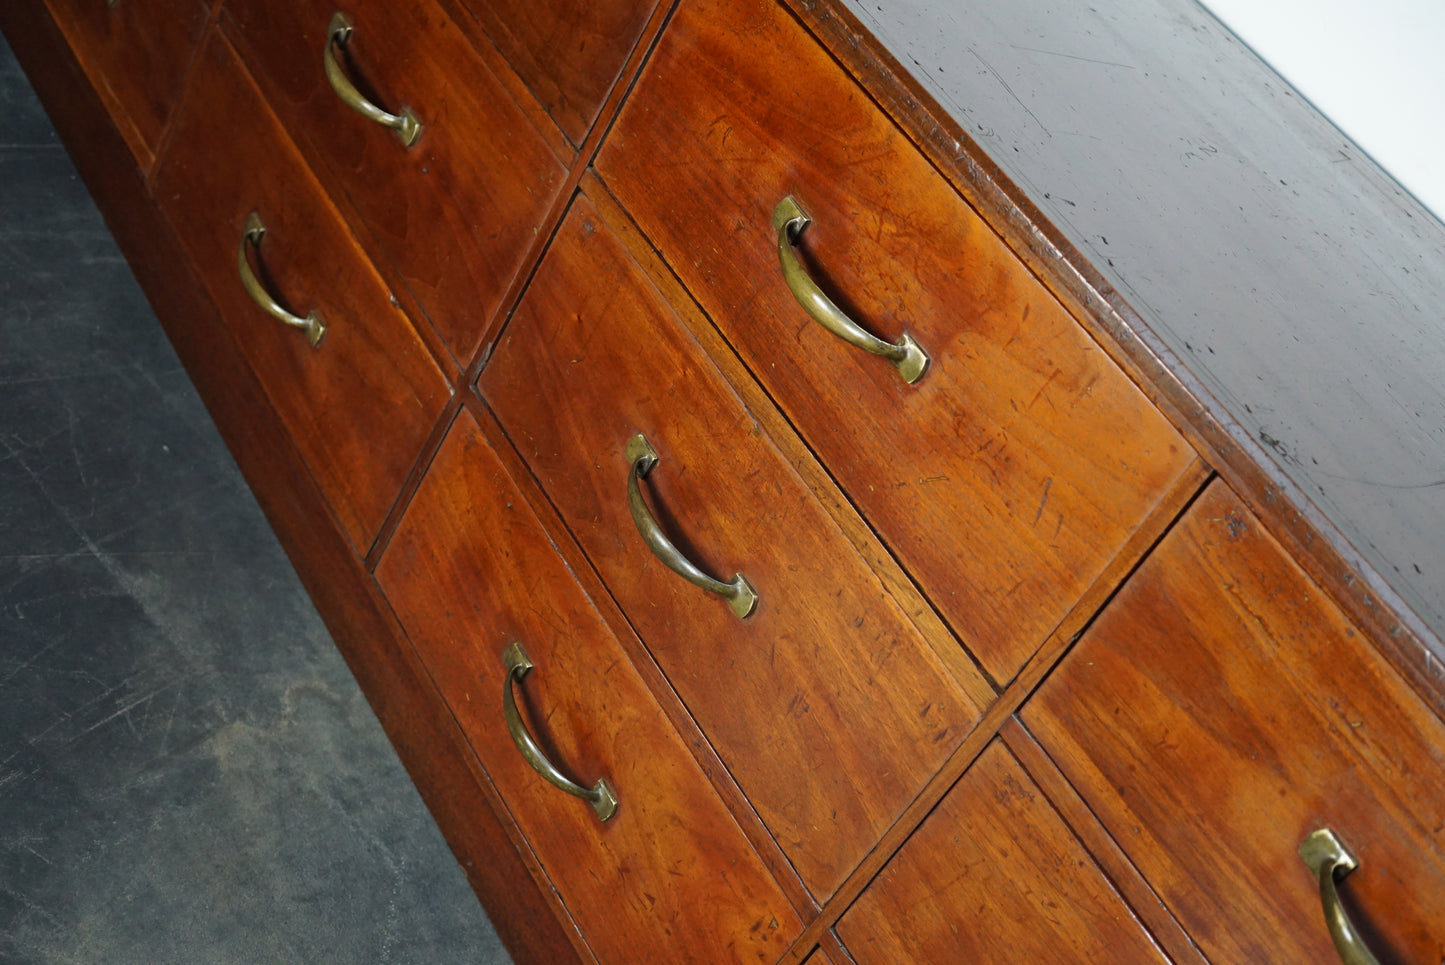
(188, 772)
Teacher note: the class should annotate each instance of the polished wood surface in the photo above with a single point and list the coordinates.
(136, 54)
(997, 720)
(1008, 477)
(471, 571)
(1105, 851)
(1218, 711)
(994, 875)
(569, 54)
(824, 704)
(359, 405)
(455, 213)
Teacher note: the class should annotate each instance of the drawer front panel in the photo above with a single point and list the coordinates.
(136, 53)
(994, 875)
(358, 405)
(825, 704)
(1015, 469)
(1220, 710)
(670, 877)
(568, 53)
(456, 212)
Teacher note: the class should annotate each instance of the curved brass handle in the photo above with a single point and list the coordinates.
(599, 795)
(251, 238)
(338, 32)
(741, 596)
(1327, 856)
(789, 220)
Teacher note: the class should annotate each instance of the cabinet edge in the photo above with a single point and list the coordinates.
(526, 914)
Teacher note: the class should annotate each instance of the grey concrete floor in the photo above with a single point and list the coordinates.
(188, 772)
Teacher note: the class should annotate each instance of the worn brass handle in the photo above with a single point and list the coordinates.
(599, 795)
(338, 33)
(1327, 856)
(311, 324)
(741, 596)
(789, 220)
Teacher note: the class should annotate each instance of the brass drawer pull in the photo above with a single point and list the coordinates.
(338, 32)
(599, 795)
(311, 324)
(1327, 856)
(789, 220)
(741, 596)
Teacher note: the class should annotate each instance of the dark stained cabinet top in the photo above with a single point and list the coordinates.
(1296, 285)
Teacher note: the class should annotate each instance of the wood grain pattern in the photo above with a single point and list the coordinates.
(825, 704)
(568, 53)
(136, 54)
(994, 875)
(1008, 477)
(1271, 263)
(1105, 851)
(455, 213)
(1220, 709)
(996, 718)
(359, 405)
(670, 877)
(424, 733)
(1377, 598)
(784, 436)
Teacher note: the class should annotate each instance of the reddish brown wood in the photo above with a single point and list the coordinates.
(456, 212)
(998, 714)
(671, 876)
(825, 704)
(804, 463)
(576, 561)
(831, 951)
(1220, 709)
(135, 54)
(1015, 470)
(425, 735)
(1104, 849)
(994, 875)
(569, 54)
(359, 405)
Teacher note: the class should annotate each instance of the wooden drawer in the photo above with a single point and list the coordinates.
(994, 875)
(456, 212)
(668, 878)
(1004, 480)
(358, 405)
(1220, 710)
(825, 704)
(569, 54)
(136, 53)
